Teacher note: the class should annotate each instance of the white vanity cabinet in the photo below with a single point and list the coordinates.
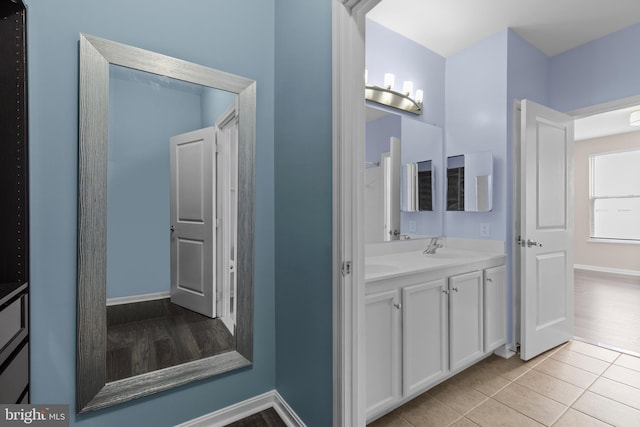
(382, 317)
(495, 308)
(423, 326)
(465, 319)
(424, 335)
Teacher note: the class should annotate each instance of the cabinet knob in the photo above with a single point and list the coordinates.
(445, 291)
(397, 305)
(454, 289)
(489, 279)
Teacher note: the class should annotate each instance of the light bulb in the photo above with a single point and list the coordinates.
(407, 88)
(389, 80)
(419, 96)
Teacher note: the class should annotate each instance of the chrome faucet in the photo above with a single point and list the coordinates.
(434, 244)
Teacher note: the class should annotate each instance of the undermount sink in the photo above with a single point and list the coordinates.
(380, 268)
(443, 255)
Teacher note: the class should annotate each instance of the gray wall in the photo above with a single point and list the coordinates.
(303, 176)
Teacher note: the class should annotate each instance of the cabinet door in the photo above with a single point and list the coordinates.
(495, 310)
(465, 319)
(382, 350)
(424, 335)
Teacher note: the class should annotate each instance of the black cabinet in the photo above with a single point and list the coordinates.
(14, 206)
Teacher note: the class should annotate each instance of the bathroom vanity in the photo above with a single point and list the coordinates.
(429, 316)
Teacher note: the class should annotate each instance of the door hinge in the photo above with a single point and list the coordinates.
(346, 268)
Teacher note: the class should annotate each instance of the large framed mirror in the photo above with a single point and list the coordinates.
(166, 217)
(402, 192)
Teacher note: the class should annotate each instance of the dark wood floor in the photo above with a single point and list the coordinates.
(267, 418)
(607, 310)
(146, 336)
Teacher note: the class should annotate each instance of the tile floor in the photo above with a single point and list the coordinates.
(576, 384)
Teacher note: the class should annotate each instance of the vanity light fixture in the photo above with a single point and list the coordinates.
(387, 96)
(634, 118)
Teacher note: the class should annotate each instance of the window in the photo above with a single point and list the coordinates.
(615, 195)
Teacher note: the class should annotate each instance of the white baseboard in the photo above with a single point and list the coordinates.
(617, 271)
(138, 298)
(609, 346)
(240, 410)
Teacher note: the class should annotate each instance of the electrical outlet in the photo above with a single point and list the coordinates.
(485, 230)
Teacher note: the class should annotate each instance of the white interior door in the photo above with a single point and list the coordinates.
(227, 213)
(546, 229)
(193, 238)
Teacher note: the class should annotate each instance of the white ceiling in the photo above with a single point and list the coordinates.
(604, 124)
(553, 26)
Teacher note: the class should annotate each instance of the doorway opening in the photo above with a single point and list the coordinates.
(607, 250)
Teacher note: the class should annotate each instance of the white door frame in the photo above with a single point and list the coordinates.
(348, 27)
(226, 208)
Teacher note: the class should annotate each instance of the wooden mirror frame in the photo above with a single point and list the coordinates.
(92, 390)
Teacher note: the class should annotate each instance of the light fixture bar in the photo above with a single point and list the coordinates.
(392, 99)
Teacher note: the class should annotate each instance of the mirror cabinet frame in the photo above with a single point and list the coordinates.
(459, 192)
(92, 390)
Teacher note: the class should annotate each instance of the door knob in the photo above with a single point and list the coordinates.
(533, 243)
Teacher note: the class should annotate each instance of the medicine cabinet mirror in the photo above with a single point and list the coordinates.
(470, 182)
(165, 234)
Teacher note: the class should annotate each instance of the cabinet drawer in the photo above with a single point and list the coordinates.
(12, 320)
(15, 377)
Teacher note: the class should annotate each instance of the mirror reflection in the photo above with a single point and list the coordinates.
(171, 208)
(417, 186)
(402, 157)
(470, 182)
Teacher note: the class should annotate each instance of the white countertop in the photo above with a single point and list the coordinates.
(399, 263)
